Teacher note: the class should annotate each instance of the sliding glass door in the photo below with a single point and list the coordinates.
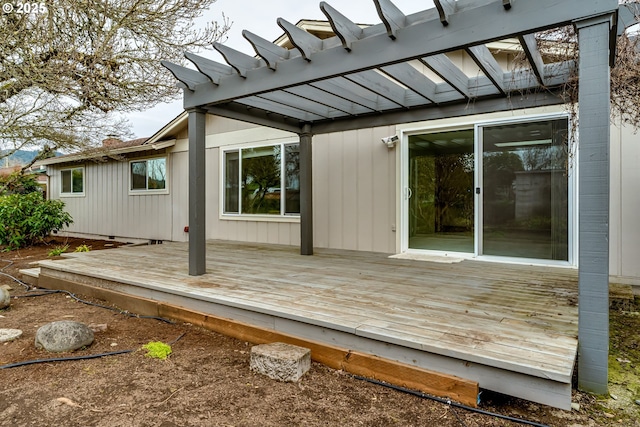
(441, 203)
(497, 190)
(525, 198)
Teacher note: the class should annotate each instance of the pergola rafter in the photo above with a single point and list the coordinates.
(366, 77)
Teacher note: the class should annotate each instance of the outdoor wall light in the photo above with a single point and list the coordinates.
(390, 141)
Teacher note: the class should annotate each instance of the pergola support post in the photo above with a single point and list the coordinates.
(594, 115)
(306, 191)
(197, 194)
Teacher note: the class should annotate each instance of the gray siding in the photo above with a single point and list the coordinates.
(107, 209)
(355, 197)
(355, 191)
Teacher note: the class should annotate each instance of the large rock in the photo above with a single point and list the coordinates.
(280, 361)
(5, 298)
(64, 335)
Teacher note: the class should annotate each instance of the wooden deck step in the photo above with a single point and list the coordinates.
(30, 275)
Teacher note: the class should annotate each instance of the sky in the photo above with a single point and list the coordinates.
(260, 17)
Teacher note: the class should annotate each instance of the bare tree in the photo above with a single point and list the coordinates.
(67, 67)
(625, 74)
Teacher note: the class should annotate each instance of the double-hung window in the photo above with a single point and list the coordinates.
(148, 175)
(72, 182)
(262, 180)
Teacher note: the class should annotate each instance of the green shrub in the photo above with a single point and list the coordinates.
(58, 250)
(17, 183)
(26, 219)
(83, 248)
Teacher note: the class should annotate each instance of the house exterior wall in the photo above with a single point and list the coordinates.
(107, 209)
(624, 231)
(356, 192)
(354, 179)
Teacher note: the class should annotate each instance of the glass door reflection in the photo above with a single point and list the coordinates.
(441, 203)
(525, 207)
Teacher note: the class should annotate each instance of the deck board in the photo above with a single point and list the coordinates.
(519, 318)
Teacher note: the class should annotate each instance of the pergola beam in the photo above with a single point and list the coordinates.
(349, 91)
(434, 112)
(413, 79)
(449, 72)
(488, 64)
(347, 31)
(392, 17)
(530, 47)
(240, 62)
(381, 85)
(278, 108)
(256, 116)
(322, 97)
(307, 44)
(445, 9)
(271, 53)
(189, 77)
(294, 101)
(213, 70)
(473, 26)
(628, 15)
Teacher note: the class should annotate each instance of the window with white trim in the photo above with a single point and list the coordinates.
(148, 175)
(262, 180)
(72, 182)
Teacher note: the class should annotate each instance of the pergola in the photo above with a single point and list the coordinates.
(364, 77)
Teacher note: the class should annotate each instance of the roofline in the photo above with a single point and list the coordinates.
(168, 128)
(100, 152)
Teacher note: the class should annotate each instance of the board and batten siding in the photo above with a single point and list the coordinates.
(355, 193)
(624, 227)
(107, 209)
(354, 190)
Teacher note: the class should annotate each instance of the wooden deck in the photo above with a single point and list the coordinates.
(511, 328)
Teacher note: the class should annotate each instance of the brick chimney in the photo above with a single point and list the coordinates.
(111, 141)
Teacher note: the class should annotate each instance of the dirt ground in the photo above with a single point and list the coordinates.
(206, 381)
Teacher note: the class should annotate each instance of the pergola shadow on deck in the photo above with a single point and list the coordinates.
(511, 328)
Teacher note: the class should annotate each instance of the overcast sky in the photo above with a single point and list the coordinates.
(259, 17)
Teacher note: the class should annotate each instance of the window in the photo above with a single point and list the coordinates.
(148, 175)
(72, 182)
(262, 180)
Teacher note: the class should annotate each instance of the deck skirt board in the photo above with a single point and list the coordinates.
(520, 320)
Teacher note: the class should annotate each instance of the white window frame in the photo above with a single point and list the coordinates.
(84, 182)
(147, 191)
(283, 216)
(477, 123)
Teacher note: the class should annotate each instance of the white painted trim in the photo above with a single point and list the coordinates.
(261, 218)
(148, 192)
(477, 122)
(84, 182)
(283, 217)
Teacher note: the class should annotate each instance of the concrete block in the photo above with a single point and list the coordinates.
(280, 361)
